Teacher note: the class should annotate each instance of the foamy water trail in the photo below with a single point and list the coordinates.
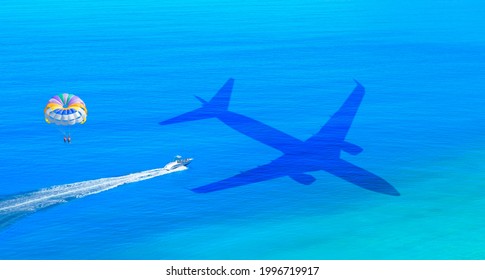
(20, 205)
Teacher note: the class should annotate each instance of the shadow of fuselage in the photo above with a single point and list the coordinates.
(320, 152)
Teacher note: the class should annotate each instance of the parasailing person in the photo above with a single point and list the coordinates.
(65, 110)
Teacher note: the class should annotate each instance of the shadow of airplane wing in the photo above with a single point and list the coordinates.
(360, 177)
(337, 127)
(259, 174)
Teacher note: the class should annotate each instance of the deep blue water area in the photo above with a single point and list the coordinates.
(136, 63)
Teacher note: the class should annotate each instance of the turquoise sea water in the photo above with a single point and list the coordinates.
(136, 63)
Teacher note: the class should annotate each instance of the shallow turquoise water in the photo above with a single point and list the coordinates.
(136, 63)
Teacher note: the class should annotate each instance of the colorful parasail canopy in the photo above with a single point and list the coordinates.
(65, 109)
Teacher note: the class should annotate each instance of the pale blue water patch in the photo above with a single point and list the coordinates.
(136, 63)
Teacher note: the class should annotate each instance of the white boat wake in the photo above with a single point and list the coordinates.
(27, 203)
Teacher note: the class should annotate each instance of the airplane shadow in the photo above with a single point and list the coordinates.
(320, 152)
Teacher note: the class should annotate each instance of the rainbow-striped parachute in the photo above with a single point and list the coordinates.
(65, 109)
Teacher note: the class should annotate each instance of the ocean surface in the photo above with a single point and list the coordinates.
(136, 63)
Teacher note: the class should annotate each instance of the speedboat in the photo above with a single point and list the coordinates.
(177, 162)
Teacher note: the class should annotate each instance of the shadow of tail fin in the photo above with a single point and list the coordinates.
(221, 100)
(217, 105)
